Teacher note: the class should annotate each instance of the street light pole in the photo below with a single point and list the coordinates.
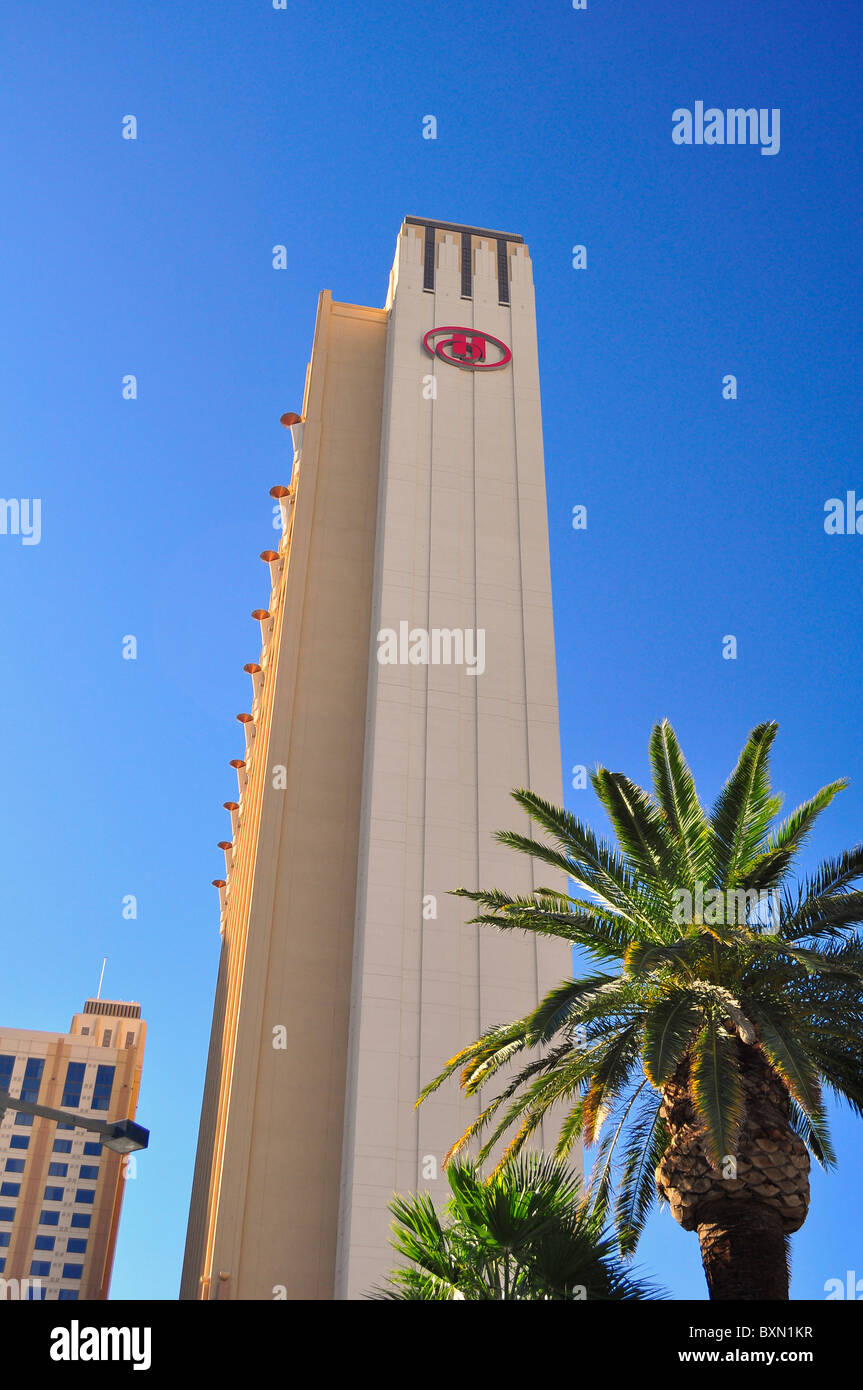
(122, 1136)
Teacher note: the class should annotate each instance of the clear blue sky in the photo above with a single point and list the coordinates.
(153, 257)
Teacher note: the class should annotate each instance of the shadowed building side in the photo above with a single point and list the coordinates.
(264, 1211)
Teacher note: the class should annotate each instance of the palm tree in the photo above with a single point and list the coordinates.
(697, 1064)
(523, 1234)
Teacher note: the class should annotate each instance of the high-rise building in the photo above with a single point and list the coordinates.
(61, 1190)
(406, 685)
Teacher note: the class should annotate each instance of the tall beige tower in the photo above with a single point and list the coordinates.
(61, 1188)
(406, 685)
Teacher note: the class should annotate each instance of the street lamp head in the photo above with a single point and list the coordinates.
(126, 1137)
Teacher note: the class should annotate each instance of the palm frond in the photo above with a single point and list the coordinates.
(595, 865)
(744, 807)
(483, 1057)
(675, 792)
(599, 1188)
(567, 1000)
(641, 829)
(791, 1060)
(814, 1134)
(717, 1090)
(793, 831)
(610, 1075)
(668, 1031)
(603, 934)
(646, 1143)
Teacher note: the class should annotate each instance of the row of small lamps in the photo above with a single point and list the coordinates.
(266, 617)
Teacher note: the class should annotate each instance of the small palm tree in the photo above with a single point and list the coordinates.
(520, 1235)
(697, 1065)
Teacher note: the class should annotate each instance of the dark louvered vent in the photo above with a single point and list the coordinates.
(502, 272)
(467, 235)
(466, 266)
(428, 267)
(113, 1008)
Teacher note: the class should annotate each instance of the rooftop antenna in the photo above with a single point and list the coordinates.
(101, 978)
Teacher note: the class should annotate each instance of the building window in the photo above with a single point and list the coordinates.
(42, 1268)
(75, 1246)
(85, 1194)
(23, 1119)
(103, 1087)
(92, 1149)
(58, 1170)
(85, 1032)
(9, 1189)
(7, 1066)
(130, 1039)
(73, 1271)
(19, 1141)
(74, 1082)
(89, 1172)
(44, 1243)
(67, 1295)
(7, 1213)
(36, 1295)
(2, 1264)
(53, 1194)
(62, 1146)
(49, 1218)
(107, 1036)
(5, 1237)
(32, 1078)
(59, 1126)
(14, 1165)
(81, 1219)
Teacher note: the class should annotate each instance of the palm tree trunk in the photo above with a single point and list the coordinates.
(743, 1216)
(745, 1254)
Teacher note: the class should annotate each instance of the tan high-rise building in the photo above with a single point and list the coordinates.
(61, 1190)
(406, 685)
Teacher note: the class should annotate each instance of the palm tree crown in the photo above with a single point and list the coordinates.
(697, 1057)
(521, 1235)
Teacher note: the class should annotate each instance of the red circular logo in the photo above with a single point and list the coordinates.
(467, 347)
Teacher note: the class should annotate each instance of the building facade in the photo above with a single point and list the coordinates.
(406, 684)
(61, 1191)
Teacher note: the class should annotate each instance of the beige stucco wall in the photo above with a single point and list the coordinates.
(462, 543)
